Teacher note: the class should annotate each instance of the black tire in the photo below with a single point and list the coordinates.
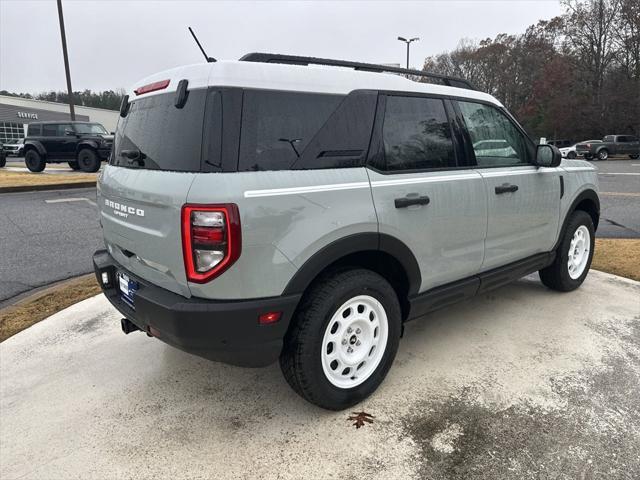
(34, 161)
(3, 161)
(74, 165)
(634, 157)
(88, 161)
(571, 155)
(301, 358)
(603, 154)
(556, 276)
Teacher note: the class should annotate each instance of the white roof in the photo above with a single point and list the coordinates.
(317, 79)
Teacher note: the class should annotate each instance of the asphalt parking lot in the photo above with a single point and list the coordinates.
(46, 237)
(520, 383)
(619, 198)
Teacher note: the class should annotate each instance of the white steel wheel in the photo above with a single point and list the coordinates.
(354, 341)
(579, 252)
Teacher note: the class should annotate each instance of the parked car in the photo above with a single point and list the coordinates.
(3, 156)
(263, 210)
(494, 148)
(570, 152)
(83, 145)
(610, 145)
(15, 149)
(561, 143)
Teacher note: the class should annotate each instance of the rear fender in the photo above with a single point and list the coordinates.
(359, 242)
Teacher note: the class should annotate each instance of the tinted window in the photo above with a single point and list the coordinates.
(496, 140)
(90, 129)
(609, 138)
(278, 126)
(155, 135)
(50, 130)
(416, 134)
(34, 130)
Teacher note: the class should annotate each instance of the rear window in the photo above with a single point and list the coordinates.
(416, 134)
(155, 135)
(278, 126)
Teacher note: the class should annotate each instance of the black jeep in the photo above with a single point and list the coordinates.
(81, 144)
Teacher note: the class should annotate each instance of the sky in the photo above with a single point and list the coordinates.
(114, 43)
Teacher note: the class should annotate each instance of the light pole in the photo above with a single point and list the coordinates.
(408, 42)
(66, 61)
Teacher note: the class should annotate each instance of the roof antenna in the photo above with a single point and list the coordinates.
(208, 58)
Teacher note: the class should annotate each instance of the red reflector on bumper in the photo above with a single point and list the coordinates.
(267, 318)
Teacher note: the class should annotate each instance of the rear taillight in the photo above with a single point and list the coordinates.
(211, 240)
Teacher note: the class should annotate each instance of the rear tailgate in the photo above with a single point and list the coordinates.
(140, 216)
(156, 156)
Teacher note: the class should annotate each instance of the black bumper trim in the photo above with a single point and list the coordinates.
(225, 331)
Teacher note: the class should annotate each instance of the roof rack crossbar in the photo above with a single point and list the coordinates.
(367, 67)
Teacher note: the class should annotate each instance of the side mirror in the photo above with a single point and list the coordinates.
(547, 156)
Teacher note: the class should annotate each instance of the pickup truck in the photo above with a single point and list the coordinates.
(610, 145)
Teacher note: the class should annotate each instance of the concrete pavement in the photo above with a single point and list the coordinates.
(520, 383)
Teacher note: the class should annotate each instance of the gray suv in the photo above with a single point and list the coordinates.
(273, 209)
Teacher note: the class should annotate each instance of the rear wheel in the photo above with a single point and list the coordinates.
(603, 154)
(74, 165)
(574, 255)
(634, 157)
(3, 161)
(343, 339)
(34, 161)
(88, 161)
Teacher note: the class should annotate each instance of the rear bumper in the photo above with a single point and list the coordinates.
(225, 331)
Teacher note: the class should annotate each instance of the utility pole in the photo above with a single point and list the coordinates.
(408, 42)
(66, 61)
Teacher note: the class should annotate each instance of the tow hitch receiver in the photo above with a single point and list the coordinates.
(128, 326)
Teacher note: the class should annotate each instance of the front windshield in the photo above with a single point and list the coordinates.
(90, 128)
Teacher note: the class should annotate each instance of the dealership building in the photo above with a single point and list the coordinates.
(16, 113)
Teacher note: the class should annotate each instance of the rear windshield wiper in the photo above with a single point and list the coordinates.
(133, 157)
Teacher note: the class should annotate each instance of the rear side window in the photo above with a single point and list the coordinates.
(278, 126)
(416, 134)
(496, 140)
(155, 135)
(50, 130)
(34, 130)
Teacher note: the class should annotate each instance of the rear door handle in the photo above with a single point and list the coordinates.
(407, 201)
(506, 188)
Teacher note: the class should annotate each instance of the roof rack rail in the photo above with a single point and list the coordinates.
(367, 67)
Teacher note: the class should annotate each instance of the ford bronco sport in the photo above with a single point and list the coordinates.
(83, 145)
(269, 209)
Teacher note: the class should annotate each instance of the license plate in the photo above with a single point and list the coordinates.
(127, 288)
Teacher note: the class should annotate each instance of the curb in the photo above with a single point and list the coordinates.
(38, 292)
(53, 186)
